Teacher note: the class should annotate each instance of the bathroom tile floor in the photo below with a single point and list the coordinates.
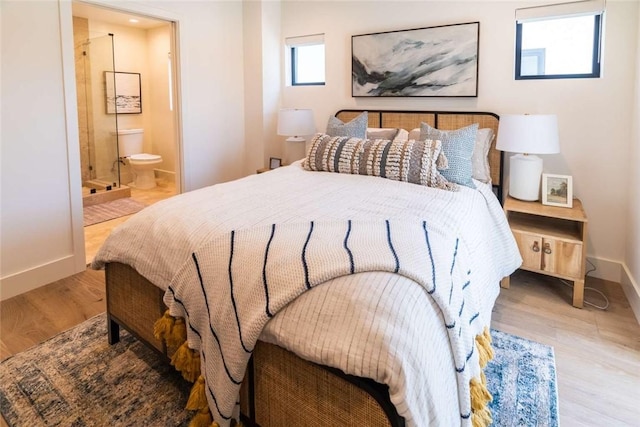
(95, 235)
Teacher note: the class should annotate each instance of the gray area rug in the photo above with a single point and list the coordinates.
(77, 379)
(113, 209)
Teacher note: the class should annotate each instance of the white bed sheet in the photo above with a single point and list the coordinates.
(364, 324)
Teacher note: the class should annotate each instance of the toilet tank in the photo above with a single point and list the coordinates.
(130, 142)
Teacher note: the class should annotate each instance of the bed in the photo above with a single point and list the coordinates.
(311, 363)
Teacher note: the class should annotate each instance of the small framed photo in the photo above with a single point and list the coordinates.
(274, 162)
(557, 190)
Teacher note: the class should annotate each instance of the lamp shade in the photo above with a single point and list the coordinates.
(296, 122)
(528, 133)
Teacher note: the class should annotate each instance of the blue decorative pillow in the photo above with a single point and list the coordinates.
(457, 146)
(356, 128)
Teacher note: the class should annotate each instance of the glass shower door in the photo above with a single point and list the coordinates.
(103, 167)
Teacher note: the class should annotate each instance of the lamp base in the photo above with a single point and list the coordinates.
(294, 150)
(524, 177)
(296, 139)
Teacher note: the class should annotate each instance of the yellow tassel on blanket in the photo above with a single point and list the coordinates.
(480, 396)
(187, 362)
(481, 418)
(202, 419)
(162, 327)
(178, 334)
(198, 398)
(485, 351)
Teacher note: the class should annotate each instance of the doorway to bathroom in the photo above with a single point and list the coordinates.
(125, 80)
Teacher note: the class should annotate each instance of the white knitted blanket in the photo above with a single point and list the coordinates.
(377, 325)
(232, 286)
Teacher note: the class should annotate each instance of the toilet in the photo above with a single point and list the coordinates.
(142, 164)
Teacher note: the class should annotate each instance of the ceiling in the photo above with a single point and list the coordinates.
(103, 14)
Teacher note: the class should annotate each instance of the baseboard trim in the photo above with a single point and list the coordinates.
(631, 290)
(165, 174)
(618, 272)
(27, 280)
(604, 269)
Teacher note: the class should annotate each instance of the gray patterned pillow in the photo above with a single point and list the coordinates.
(409, 161)
(457, 146)
(356, 128)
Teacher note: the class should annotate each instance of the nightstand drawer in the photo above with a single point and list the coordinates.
(547, 255)
(529, 247)
(564, 259)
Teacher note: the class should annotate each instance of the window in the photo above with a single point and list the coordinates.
(555, 44)
(306, 60)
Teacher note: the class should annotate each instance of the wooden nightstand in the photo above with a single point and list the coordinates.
(552, 241)
(262, 170)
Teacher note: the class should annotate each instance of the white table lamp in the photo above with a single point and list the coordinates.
(296, 123)
(527, 135)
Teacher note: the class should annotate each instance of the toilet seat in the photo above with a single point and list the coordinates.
(144, 157)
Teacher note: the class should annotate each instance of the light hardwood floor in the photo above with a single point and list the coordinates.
(597, 352)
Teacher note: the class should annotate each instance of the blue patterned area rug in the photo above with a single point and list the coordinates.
(77, 379)
(522, 379)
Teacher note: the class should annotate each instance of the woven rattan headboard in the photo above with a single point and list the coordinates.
(445, 120)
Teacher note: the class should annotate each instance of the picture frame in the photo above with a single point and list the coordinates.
(274, 162)
(439, 61)
(557, 190)
(122, 92)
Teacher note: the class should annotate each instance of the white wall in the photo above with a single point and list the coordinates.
(631, 275)
(41, 202)
(211, 45)
(162, 127)
(594, 114)
(262, 50)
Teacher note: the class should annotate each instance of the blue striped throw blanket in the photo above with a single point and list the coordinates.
(232, 286)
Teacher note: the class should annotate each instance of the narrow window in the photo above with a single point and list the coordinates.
(559, 41)
(306, 60)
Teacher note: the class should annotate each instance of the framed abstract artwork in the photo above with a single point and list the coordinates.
(433, 61)
(123, 92)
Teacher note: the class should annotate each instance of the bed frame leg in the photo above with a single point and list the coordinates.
(113, 331)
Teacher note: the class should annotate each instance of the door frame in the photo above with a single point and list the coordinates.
(71, 107)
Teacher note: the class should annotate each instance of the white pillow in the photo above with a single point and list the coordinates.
(480, 156)
(382, 133)
(402, 135)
